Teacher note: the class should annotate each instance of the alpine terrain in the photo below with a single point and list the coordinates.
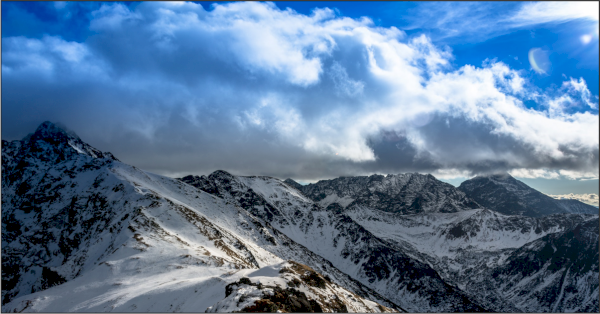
(84, 232)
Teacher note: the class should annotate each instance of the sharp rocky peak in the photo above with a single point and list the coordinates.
(50, 142)
(49, 130)
(221, 174)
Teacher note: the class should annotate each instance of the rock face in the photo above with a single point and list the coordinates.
(82, 231)
(304, 287)
(470, 249)
(53, 210)
(509, 196)
(409, 193)
(558, 272)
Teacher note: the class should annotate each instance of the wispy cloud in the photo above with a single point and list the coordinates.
(478, 21)
(247, 87)
(554, 11)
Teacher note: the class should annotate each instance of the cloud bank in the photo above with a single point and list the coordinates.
(176, 89)
(591, 199)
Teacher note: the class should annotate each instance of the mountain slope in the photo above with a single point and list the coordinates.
(82, 231)
(558, 272)
(328, 232)
(509, 196)
(468, 247)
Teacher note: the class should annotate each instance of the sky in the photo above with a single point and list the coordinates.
(315, 90)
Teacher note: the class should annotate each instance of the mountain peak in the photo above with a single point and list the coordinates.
(53, 130)
(55, 142)
(220, 173)
(293, 183)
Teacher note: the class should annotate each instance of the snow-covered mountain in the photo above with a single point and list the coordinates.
(83, 232)
(409, 193)
(469, 248)
(507, 195)
(556, 273)
(328, 232)
(464, 246)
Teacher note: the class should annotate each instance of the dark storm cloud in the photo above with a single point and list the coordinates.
(245, 87)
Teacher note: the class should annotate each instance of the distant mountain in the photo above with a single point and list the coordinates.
(409, 193)
(509, 196)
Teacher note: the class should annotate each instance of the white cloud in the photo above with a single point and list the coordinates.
(553, 174)
(579, 175)
(554, 11)
(25, 54)
(579, 88)
(111, 16)
(71, 51)
(344, 84)
(48, 55)
(479, 21)
(534, 173)
(449, 174)
(434, 58)
(591, 198)
(316, 85)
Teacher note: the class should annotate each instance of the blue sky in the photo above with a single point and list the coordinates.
(314, 90)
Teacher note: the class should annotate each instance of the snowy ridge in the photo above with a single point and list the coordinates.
(84, 232)
(262, 290)
(334, 236)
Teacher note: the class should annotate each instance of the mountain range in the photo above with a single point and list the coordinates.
(85, 232)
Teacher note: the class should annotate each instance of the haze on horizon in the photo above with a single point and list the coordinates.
(315, 90)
